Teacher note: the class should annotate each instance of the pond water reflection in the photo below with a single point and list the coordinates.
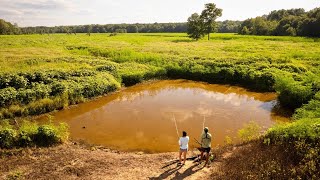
(141, 117)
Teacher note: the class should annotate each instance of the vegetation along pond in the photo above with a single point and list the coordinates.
(146, 117)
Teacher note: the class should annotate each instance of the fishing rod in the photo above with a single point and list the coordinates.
(197, 141)
(204, 120)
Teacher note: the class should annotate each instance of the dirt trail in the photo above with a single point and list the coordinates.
(71, 161)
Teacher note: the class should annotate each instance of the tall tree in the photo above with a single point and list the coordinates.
(195, 27)
(209, 16)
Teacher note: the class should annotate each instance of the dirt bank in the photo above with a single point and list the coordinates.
(74, 161)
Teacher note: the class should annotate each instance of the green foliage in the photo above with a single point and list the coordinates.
(133, 73)
(32, 134)
(292, 22)
(7, 96)
(7, 138)
(300, 140)
(209, 16)
(245, 31)
(195, 27)
(8, 28)
(250, 131)
(228, 140)
(306, 129)
(46, 135)
(52, 90)
(227, 26)
(198, 26)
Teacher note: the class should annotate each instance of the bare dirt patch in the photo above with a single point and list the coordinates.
(78, 161)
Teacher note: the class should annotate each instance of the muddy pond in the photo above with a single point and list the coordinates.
(146, 117)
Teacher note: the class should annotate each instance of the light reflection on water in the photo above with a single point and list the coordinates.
(140, 118)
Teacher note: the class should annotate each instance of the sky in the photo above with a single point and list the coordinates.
(77, 12)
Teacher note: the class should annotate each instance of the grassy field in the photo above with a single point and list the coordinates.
(55, 64)
(21, 51)
(42, 73)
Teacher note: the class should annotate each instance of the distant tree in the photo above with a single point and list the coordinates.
(291, 31)
(228, 26)
(196, 28)
(8, 28)
(132, 29)
(89, 29)
(120, 30)
(209, 16)
(291, 22)
(245, 31)
(4, 27)
(67, 30)
(102, 29)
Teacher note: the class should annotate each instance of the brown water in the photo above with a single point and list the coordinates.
(141, 117)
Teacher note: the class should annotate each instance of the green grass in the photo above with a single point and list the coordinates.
(18, 50)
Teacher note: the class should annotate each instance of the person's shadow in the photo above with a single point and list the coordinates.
(188, 172)
(191, 170)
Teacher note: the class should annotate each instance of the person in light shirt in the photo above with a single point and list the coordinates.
(205, 144)
(183, 143)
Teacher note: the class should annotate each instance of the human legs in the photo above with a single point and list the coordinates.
(184, 156)
(180, 153)
(207, 156)
(201, 156)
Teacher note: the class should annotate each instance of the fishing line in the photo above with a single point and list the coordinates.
(204, 120)
(175, 123)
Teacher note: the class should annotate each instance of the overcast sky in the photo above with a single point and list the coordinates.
(72, 12)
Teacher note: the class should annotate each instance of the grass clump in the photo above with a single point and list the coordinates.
(32, 134)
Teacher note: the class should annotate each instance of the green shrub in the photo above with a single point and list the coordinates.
(49, 134)
(301, 141)
(249, 132)
(13, 80)
(7, 96)
(25, 96)
(310, 110)
(303, 129)
(32, 134)
(132, 79)
(57, 88)
(46, 135)
(26, 134)
(7, 137)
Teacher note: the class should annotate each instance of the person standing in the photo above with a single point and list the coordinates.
(205, 144)
(183, 143)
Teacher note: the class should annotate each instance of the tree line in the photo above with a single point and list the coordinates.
(7, 28)
(292, 22)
